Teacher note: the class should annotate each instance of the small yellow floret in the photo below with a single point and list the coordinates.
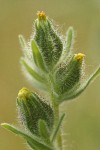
(41, 15)
(24, 93)
(79, 56)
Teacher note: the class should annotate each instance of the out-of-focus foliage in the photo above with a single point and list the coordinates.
(16, 16)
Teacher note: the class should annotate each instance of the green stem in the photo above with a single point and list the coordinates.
(55, 105)
(57, 128)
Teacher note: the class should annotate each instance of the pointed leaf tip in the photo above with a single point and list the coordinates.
(69, 39)
(37, 55)
(31, 71)
(22, 41)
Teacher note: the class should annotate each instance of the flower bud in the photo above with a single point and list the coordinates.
(69, 75)
(31, 109)
(79, 56)
(48, 40)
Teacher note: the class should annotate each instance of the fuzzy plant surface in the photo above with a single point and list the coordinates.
(49, 60)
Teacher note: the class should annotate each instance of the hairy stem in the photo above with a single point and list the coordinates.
(58, 140)
(55, 106)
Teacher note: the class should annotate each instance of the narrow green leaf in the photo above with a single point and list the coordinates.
(35, 143)
(22, 41)
(69, 39)
(37, 55)
(68, 46)
(77, 92)
(43, 129)
(57, 128)
(32, 72)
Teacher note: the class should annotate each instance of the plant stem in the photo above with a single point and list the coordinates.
(55, 105)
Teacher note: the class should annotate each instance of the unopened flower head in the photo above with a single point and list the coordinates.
(79, 56)
(31, 109)
(24, 93)
(41, 15)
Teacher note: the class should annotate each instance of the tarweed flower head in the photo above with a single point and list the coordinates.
(31, 109)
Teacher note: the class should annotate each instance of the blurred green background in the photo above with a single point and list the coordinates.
(82, 126)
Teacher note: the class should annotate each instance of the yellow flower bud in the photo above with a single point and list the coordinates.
(79, 56)
(41, 15)
(24, 93)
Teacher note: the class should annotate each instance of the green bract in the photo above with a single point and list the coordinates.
(53, 67)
